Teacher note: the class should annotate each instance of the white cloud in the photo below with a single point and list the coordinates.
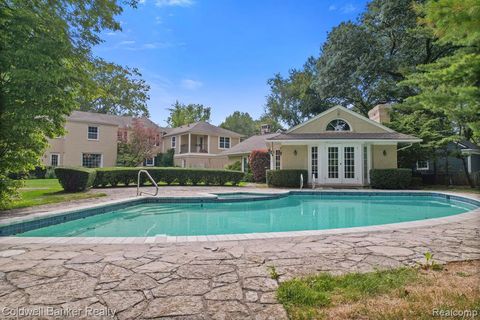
(332, 7)
(174, 3)
(191, 84)
(158, 20)
(126, 42)
(348, 8)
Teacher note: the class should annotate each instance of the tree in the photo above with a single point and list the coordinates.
(140, 145)
(451, 85)
(43, 57)
(293, 100)
(114, 89)
(240, 122)
(181, 114)
(362, 62)
(259, 163)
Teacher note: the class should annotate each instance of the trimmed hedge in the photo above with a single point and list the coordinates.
(75, 179)
(183, 176)
(286, 178)
(390, 178)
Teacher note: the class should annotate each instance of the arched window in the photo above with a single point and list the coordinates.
(338, 125)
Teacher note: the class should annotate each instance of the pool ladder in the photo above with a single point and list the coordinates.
(139, 193)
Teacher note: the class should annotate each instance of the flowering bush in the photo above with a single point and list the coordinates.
(259, 162)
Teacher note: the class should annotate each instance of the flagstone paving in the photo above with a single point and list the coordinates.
(206, 280)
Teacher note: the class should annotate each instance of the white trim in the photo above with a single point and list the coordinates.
(469, 164)
(343, 109)
(58, 159)
(229, 142)
(279, 160)
(386, 141)
(98, 132)
(422, 168)
(189, 142)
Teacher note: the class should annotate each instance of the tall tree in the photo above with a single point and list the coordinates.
(114, 89)
(181, 114)
(140, 146)
(293, 100)
(451, 85)
(43, 57)
(362, 62)
(240, 122)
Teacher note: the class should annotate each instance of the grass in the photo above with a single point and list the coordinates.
(44, 191)
(405, 293)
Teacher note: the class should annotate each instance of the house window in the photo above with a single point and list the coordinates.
(338, 125)
(92, 133)
(91, 160)
(54, 159)
(278, 155)
(224, 143)
(174, 142)
(157, 140)
(422, 165)
(150, 162)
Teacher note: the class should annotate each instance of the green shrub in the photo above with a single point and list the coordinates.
(237, 165)
(183, 176)
(286, 178)
(390, 178)
(75, 179)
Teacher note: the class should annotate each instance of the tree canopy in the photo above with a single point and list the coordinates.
(44, 57)
(240, 122)
(181, 114)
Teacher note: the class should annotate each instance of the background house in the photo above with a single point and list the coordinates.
(91, 140)
(200, 145)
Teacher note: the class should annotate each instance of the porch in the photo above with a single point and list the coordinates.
(194, 143)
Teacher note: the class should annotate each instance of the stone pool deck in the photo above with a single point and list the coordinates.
(206, 280)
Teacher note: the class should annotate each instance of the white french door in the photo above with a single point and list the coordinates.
(342, 164)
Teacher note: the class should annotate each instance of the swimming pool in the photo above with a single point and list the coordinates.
(288, 212)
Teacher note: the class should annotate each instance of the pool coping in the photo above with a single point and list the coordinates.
(210, 197)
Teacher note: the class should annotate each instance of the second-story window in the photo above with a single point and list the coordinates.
(224, 143)
(157, 140)
(174, 142)
(92, 133)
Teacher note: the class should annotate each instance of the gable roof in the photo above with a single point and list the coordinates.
(110, 119)
(338, 107)
(202, 128)
(465, 144)
(257, 142)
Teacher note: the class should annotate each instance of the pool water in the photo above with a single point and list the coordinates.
(291, 213)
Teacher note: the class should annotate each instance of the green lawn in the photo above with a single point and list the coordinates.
(43, 191)
(405, 293)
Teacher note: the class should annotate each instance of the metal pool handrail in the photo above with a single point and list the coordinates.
(301, 181)
(139, 193)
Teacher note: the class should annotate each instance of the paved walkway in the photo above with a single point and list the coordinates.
(205, 280)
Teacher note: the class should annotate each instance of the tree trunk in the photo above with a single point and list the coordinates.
(465, 168)
(447, 171)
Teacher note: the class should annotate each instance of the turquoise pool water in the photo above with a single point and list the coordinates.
(291, 213)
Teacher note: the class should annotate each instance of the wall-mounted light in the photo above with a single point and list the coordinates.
(384, 152)
(295, 152)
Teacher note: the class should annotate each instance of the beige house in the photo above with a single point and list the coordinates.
(91, 140)
(200, 145)
(338, 146)
(241, 151)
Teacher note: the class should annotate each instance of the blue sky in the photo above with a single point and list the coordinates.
(220, 53)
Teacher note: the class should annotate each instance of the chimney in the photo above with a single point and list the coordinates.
(380, 113)
(265, 128)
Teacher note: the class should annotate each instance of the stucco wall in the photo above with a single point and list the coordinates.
(75, 142)
(291, 161)
(356, 124)
(381, 161)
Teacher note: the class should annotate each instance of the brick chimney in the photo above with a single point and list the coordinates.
(380, 113)
(265, 128)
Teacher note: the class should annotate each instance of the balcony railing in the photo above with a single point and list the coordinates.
(193, 149)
